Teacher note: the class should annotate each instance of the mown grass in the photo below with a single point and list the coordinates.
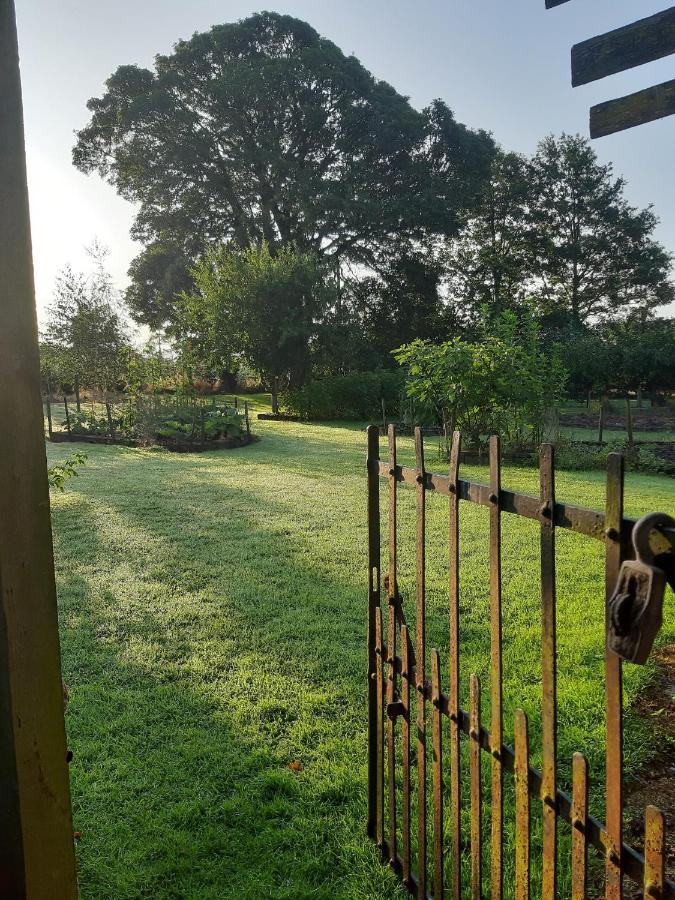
(212, 612)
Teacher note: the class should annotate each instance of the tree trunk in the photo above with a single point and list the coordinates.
(639, 398)
(77, 394)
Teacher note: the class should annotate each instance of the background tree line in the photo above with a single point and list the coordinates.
(300, 217)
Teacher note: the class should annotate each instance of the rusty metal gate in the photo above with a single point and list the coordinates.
(397, 674)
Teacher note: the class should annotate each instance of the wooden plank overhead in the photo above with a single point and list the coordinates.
(633, 45)
(636, 109)
(551, 3)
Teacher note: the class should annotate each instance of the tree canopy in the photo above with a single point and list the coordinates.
(263, 130)
(264, 307)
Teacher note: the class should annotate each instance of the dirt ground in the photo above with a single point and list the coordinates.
(656, 784)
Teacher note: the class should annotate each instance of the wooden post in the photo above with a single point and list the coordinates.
(248, 421)
(384, 417)
(111, 427)
(629, 422)
(78, 405)
(65, 404)
(50, 429)
(36, 852)
(601, 419)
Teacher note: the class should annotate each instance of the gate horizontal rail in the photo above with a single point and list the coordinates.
(395, 676)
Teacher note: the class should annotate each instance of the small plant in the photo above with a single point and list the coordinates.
(58, 474)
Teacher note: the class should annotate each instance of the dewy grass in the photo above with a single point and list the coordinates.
(213, 623)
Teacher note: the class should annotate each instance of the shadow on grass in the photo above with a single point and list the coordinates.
(195, 681)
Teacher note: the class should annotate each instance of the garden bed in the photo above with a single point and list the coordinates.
(278, 417)
(229, 443)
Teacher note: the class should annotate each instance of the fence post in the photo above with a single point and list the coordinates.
(202, 414)
(111, 427)
(65, 404)
(613, 685)
(372, 464)
(36, 851)
(248, 421)
(49, 410)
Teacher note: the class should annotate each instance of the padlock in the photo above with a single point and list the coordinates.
(635, 611)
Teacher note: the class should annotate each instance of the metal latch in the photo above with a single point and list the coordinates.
(635, 611)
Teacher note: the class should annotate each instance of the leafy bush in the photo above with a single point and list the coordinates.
(577, 455)
(500, 384)
(86, 423)
(353, 397)
(58, 474)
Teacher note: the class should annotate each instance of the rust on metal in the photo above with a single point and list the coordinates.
(405, 752)
(476, 799)
(392, 592)
(655, 852)
(530, 784)
(437, 742)
(372, 465)
(585, 521)
(455, 757)
(579, 825)
(548, 672)
(521, 768)
(497, 811)
(613, 686)
(379, 741)
(420, 628)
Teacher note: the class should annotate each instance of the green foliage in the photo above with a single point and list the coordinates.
(501, 384)
(326, 156)
(259, 305)
(66, 468)
(84, 422)
(84, 337)
(578, 456)
(355, 397)
(595, 254)
(555, 233)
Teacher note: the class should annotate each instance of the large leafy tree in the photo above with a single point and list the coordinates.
(595, 254)
(264, 131)
(489, 265)
(254, 304)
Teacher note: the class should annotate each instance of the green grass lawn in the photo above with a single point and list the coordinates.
(212, 612)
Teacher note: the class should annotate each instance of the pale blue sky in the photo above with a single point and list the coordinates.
(500, 64)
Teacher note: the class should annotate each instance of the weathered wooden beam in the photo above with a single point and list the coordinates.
(635, 109)
(641, 42)
(551, 3)
(36, 851)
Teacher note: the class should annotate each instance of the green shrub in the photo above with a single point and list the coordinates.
(639, 458)
(354, 397)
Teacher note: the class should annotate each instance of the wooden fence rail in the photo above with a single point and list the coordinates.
(397, 672)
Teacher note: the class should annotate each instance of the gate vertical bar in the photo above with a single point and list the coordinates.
(392, 590)
(379, 740)
(420, 669)
(655, 852)
(548, 665)
(372, 464)
(36, 851)
(405, 750)
(496, 727)
(613, 686)
(453, 587)
(521, 777)
(476, 798)
(437, 773)
(579, 825)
